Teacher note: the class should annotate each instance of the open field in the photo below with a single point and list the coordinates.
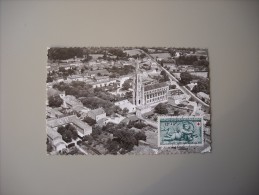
(132, 52)
(161, 55)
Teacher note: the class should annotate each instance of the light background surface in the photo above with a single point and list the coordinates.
(229, 29)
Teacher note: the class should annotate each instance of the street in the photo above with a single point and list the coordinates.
(183, 88)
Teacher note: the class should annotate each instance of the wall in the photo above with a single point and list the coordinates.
(229, 29)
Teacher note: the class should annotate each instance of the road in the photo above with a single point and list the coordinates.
(78, 147)
(183, 88)
(149, 122)
(81, 149)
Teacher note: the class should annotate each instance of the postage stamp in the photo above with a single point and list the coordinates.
(180, 131)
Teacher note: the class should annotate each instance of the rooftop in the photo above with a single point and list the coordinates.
(202, 94)
(52, 91)
(155, 86)
(71, 100)
(52, 134)
(68, 119)
(97, 111)
(53, 112)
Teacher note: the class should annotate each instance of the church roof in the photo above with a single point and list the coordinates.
(154, 86)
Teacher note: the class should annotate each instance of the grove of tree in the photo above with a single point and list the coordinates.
(55, 101)
(161, 108)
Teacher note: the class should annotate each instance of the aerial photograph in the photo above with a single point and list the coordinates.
(127, 100)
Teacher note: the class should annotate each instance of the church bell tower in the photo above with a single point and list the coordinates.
(137, 87)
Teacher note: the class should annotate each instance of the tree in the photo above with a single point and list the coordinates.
(49, 79)
(61, 130)
(185, 78)
(112, 146)
(55, 101)
(139, 124)
(140, 136)
(49, 146)
(82, 70)
(164, 76)
(161, 108)
(125, 111)
(128, 95)
(202, 62)
(96, 131)
(126, 139)
(202, 86)
(73, 130)
(67, 136)
(62, 53)
(163, 73)
(172, 86)
(89, 121)
(109, 127)
(126, 85)
(61, 69)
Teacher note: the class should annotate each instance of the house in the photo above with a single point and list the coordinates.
(70, 101)
(53, 113)
(101, 78)
(126, 104)
(97, 114)
(55, 139)
(76, 78)
(204, 97)
(81, 110)
(52, 92)
(104, 83)
(132, 118)
(94, 73)
(115, 119)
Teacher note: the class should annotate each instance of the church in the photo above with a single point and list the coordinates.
(148, 95)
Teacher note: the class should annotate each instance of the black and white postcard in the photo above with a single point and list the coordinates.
(127, 100)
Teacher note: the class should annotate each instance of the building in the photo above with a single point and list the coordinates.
(155, 93)
(115, 119)
(104, 83)
(81, 110)
(53, 113)
(126, 104)
(94, 73)
(77, 78)
(204, 97)
(101, 78)
(70, 101)
(97, 114)
(146, 95)
(55, 139)
(81, 127)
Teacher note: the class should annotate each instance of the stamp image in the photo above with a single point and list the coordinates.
(175, 131)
